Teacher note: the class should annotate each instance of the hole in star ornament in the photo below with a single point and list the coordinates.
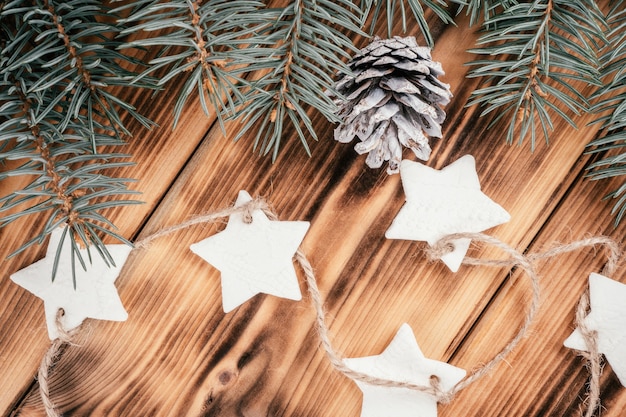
(255, 257)
(95, 295)
(443, 202)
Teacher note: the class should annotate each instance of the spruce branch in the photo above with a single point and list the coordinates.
(611, 108)
(202, 42)
(73, 43)
(305, 46)
(486, 9)
(418, 9)
(534, 52)
(59, 119)
(69, 183)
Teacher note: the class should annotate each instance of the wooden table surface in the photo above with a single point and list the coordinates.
(178, 354)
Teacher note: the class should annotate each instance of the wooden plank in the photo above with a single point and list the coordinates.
(178, 354)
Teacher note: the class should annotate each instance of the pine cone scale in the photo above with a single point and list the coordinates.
(359, 90)
(385, 112)
(372, 73)
(370, 101)
(401, 85)
(373, 141)
(420, 106)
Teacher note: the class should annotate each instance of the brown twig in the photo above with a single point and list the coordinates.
(49, 163)
(76, 57)
(534, 67)
(203, 56)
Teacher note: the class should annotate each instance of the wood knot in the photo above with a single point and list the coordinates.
(225, 377)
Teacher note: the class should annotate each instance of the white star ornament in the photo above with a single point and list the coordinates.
(607, 299)
(442, 202)
(255, 257)
(95, 295)
(402, 361)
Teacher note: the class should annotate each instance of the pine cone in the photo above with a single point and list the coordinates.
(391, 99)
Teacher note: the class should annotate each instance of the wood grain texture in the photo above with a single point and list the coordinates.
(180, 355)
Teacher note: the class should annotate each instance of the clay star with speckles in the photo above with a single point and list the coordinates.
(607, 299)
(443, 202)
(95, 295)
(254, 257)
(402, 361)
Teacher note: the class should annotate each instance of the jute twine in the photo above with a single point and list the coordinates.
(247, 209)
(47, 362)
(443, 246)
(593, 356)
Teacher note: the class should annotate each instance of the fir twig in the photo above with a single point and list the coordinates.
(57, 113)
(200, 42)
(304, 48)
(534, 52)
(611, 106)
(486, 9)
(418, 9)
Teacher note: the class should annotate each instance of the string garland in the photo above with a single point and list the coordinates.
(443, 246)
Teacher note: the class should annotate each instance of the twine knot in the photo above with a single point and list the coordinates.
(64, 335)
(257, 204)
(439, 249)
(443, 397)
(247, 215)
(248, 209)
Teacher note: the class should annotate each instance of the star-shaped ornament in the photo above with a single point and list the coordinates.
(442, 202)
(607, 299)
(254, 257)
(402, 361)
(95, 295)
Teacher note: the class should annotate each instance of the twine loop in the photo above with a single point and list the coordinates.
(250, 207)
(64, 335)
(443, 397)
(516, 259)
